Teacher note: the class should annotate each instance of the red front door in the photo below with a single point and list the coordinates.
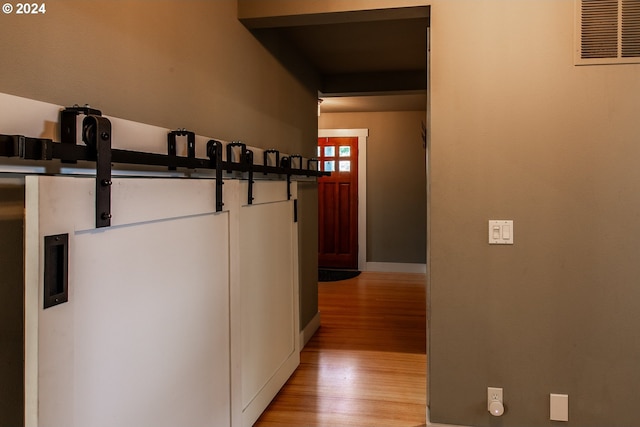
(338, 203)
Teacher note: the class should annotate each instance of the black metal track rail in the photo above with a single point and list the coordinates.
(28, 148)
(96, 133)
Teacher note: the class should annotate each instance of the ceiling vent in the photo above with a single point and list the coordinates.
(608, 31)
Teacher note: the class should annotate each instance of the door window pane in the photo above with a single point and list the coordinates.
(344, 165)
(329, 166)
(329, 151)
(344, 151)
(319, 152)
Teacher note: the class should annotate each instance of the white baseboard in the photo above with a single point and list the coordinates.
(309, 330)
(430, 424)
(396, 267)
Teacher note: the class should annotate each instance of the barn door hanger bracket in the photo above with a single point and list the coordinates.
(96, 134)
(291, 163)
(214, 153)
(236, 154)
(312, 165)
(275, 154)
(69, 121)
(172, 145)
(249, 160)
(285, 164)
(296, 161)
(244, 162)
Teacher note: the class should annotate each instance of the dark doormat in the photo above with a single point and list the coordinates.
(328, 275)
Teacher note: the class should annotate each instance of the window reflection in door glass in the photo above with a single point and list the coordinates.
(344, 151)
(329, 151)
(329, 166)
(319, 152)
(344, 165)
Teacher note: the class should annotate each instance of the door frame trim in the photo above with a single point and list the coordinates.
(362, 135)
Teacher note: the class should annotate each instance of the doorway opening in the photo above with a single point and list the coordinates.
(361, 190)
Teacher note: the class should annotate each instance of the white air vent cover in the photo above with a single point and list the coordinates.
(608, 31)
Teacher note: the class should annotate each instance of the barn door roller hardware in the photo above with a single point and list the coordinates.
(292, 164)
(97, 137)
(312, 165)
(268, 156)
(96, 134)
(243, 161)
(172, 141)
(249, 160)
(68, 122)
(214, 153)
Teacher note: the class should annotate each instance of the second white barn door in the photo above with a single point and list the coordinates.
(264, 242)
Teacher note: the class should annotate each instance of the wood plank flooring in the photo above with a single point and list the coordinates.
(366, 365)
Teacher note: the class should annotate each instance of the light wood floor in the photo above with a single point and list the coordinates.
(366, 365)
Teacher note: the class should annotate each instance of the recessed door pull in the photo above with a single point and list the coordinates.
(56, 270)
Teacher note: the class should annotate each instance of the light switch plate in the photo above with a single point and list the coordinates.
(501, 232)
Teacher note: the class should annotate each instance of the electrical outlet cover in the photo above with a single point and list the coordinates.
(494, 393)
(559, 407)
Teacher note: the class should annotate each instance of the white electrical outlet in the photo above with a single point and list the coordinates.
(495, 403)
(558, 407)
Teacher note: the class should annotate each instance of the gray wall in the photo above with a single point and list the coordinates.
(173, 64)
(519, 132)
(11, 302)
(396, 189)
(308, 238)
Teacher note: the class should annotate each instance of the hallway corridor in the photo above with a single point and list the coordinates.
(366, 365)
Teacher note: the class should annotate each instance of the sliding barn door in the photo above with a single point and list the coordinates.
(143, 337)
(265, 328)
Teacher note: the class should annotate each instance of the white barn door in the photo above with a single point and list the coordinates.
(144, 337)
(265, 307)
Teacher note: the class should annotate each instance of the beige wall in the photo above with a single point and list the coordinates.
(519, 132)
(396, 190)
